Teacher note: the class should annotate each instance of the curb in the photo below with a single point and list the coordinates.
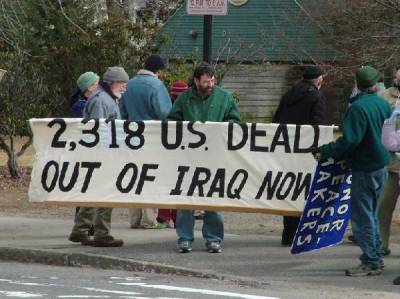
(50, 257)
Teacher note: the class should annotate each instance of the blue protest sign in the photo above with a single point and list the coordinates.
(327, 210)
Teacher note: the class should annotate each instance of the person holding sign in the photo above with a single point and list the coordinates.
(361, 146)
(198, 104)
(146, 98)
(303, 104)
(87, 84)
(101, 104)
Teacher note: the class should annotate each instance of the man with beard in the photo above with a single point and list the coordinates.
(203, 102)
(102, 103)
(303, 104)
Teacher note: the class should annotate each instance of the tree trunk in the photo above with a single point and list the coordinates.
(12, 164)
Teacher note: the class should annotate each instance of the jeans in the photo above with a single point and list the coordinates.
(213, 226)
(366, 188)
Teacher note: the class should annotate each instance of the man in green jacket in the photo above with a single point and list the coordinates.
(361, 146)
(203, 102)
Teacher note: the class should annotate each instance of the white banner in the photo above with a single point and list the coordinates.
(210, 166)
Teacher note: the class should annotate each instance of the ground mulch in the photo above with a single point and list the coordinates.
(14, 197)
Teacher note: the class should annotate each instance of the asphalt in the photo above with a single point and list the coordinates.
(257, 259)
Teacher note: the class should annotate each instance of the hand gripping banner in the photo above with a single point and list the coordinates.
(186, 165)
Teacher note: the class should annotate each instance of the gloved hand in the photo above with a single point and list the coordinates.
(316, 152)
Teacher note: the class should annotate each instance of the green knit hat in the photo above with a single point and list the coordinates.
(367, 76)
(86, 79)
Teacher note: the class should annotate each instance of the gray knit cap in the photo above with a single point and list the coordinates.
(114, 74)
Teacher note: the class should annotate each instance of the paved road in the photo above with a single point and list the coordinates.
(245, 258)
(40, 281)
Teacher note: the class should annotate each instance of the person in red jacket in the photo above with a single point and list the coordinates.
(165, 216)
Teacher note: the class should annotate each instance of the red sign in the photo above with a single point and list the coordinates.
(207, 7)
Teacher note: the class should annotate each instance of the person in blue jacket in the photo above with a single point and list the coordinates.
(87, 84)
(146, 98)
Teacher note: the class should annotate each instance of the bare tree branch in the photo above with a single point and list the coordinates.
(69, 19)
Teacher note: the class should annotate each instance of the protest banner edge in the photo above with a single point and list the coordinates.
(108, 204)
(316, 249)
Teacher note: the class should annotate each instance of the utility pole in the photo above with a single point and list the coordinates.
(207, 38)
(207, 9)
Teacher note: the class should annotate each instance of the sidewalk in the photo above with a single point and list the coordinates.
(247, 259)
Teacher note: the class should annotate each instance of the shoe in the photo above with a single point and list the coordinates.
(78, 237)
(396, 281)
(91, 231)
(363, 270)
(88, 242)
(213, 247)
(158, 225)
(107, 241)
(185, 247)
(381, 265)
(287, 241)
(386, 252)
(352, 239)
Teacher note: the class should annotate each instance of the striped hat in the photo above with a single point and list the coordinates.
(178, 87)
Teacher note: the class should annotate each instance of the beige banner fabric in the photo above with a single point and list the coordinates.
(244, 167)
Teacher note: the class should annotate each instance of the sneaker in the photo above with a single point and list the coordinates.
(91, 231)
(158, 225)
(363, 270)
(185, 247)
(107, 241)
(213, 247)
(386, 251)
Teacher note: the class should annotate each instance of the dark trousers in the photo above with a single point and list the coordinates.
(290, 224)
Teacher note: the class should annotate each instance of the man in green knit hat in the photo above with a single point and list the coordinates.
(361, 146)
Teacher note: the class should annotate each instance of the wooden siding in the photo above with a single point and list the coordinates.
(260, 88)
